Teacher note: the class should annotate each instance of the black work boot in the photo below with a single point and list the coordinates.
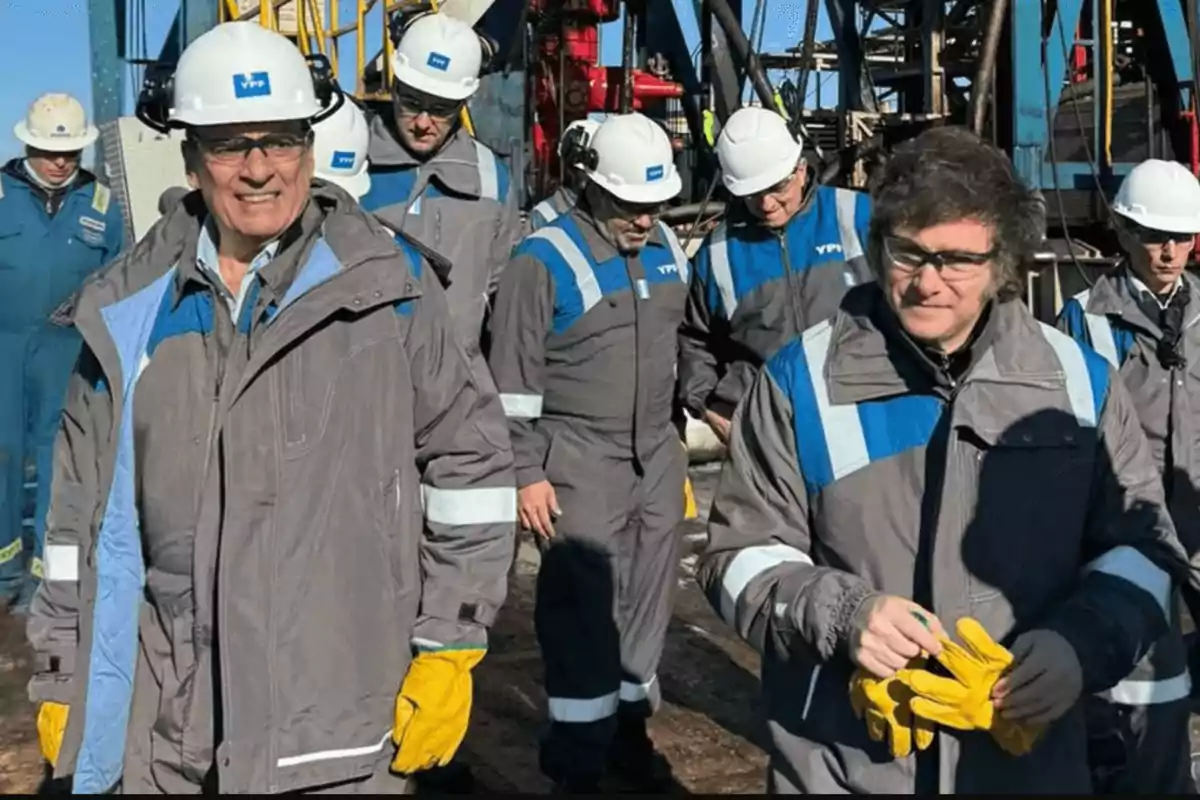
(634, 760)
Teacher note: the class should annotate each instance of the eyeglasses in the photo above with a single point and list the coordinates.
(907, 257)
(408, 100)
(775, 190)
(1152, 236)
(630, 211)
(279, 148)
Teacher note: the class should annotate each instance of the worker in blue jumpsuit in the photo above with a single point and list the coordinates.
(58, 224)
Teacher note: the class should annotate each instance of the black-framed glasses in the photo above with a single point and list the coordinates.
(627, 210)
(408, 100)
(1153, 236)
(905, 255)
(279, 148)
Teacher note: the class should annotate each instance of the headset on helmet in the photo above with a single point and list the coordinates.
(157, 94)
(576, 151)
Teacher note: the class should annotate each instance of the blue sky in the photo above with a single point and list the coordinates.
(46, 48)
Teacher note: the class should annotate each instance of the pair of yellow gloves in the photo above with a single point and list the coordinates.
(903, 709)
(432, 711)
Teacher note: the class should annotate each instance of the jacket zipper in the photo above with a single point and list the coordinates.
(789, 280)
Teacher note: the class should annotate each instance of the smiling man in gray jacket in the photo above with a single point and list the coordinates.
(282, 509)
(934, 450)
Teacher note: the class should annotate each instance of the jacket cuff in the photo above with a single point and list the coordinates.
(529, 475)
(849, 616)
(720, 406)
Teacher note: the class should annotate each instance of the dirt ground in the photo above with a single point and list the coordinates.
(709, 728)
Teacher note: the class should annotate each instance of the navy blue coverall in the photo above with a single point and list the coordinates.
(50, 241)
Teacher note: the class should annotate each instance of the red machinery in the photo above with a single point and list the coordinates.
(567, 82)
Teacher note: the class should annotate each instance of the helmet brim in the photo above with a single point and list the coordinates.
(447, 90)
(656, 192)
(58, 144)
(1160, 222)
(355, 185)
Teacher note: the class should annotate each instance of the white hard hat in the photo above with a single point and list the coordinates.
(588, 126)
(439, 55)
(56, 123)
(635, 161)
(340, 149)
(1162, 195)
(756, 150)
(241, 72)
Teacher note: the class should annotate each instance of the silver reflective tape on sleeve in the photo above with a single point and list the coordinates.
(333, 755)
(521, 406)
(747, 565)
(846, 204)
(1079, 383)
(585, 276)
(681, 259)
(489, 181)
(487, 506)
(636, 692)
(61, 562)
(592, 709)
(722, 272)
(545, 210)
(1129, 564)
(1150, 693)
(1101, 334)
(844, 437)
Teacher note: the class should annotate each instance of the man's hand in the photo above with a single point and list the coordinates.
(719, 425)
(889, 631)
(538, 506)
(1044, 684)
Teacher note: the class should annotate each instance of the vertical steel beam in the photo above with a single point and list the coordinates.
(106, 22)
(196, 16)
(1175, 25)
(1031, 113)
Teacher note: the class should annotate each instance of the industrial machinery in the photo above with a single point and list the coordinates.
(1077, 91)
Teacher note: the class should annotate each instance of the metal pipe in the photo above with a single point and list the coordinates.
(736, 37)
(982, 84)
(627, 43)
(713, 208)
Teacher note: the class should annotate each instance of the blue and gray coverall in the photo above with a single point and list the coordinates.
(50, 241)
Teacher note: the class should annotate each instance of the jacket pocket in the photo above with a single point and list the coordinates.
(1023, 530)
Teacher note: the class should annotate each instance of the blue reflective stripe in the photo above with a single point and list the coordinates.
(415, 265)
(704, 273)
(249, 304)
(833, 441)
(1106, 335)
(661, 265)
(120, 572)
(579, 282)
(896, 424)
(193, 314)
(321, 265)
(389, 187)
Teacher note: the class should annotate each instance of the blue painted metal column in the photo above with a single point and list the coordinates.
(106, 22)
(1033, 80)
(193, 18)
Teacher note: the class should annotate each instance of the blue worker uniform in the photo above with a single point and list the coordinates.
(50, 241)
(754, 289)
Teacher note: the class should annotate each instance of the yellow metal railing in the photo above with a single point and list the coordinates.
(317, 33)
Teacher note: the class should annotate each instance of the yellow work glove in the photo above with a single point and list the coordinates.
(689, 500)
(884, 704)
(964, 702)
(433, 709)
(51, 725)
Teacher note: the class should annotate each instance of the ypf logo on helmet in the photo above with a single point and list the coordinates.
(254, 84)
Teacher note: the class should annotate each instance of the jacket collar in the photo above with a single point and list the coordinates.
(1115, 294)
(455, 165)
(872, 358)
